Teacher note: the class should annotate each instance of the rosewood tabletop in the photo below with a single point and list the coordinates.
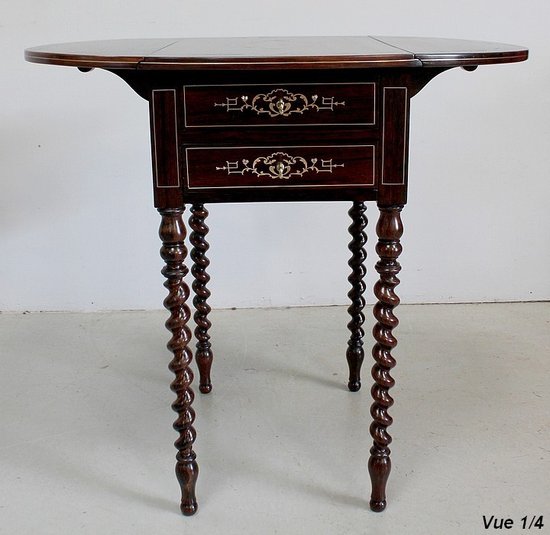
(279, 119)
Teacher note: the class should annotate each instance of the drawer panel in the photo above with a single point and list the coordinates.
(280, 104)
(293, 166)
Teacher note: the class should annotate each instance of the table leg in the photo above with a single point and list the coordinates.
(389, 230)
(355, 353)
(203, 355)
(173, 252)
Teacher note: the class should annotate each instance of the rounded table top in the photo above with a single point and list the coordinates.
(276, 53)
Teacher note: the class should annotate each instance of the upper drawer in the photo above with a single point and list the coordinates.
(280, 104)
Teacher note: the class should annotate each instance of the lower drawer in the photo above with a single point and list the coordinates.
(285, 166)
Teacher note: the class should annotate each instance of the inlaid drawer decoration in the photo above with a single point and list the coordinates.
(281, 104)
(285, 166)
(279, 165)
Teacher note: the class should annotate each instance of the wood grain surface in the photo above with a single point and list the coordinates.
(275, 53)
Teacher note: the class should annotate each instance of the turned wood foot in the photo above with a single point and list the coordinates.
(173, 252)
(355, 353)
(379, 470)
(203, 354)
(187, 472)
(389, 230)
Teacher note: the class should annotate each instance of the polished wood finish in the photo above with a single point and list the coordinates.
(281, 166)
(200, 246)
(389, 230)
(174, 252)
(355, 353)
(279, 119)
(167, 180)
(433, 52)
(258, 53)
(279, 105)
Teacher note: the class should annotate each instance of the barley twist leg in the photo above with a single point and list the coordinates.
(203, 354)
(389, 230)
(173, 252)
(355, 353)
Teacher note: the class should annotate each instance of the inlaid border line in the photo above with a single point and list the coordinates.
(372, 123)
(272, 148)
(404, 135)
(176, 140)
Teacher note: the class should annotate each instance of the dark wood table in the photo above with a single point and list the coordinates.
(279, 119)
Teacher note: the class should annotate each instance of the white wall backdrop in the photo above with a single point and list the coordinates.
(77, 226)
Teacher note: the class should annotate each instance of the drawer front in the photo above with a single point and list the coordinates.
(280, 167)
(280, 104)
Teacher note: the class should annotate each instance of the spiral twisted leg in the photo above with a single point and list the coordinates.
(173, 252)
(355, 353)
(199, 244)
(389, 230)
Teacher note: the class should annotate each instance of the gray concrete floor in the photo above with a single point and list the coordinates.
(86, 437)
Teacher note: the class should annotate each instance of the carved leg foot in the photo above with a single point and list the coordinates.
(389, 230)
(355, 353)
(203, 354)
(173, 252)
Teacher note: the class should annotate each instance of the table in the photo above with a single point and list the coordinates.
(279, 119)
